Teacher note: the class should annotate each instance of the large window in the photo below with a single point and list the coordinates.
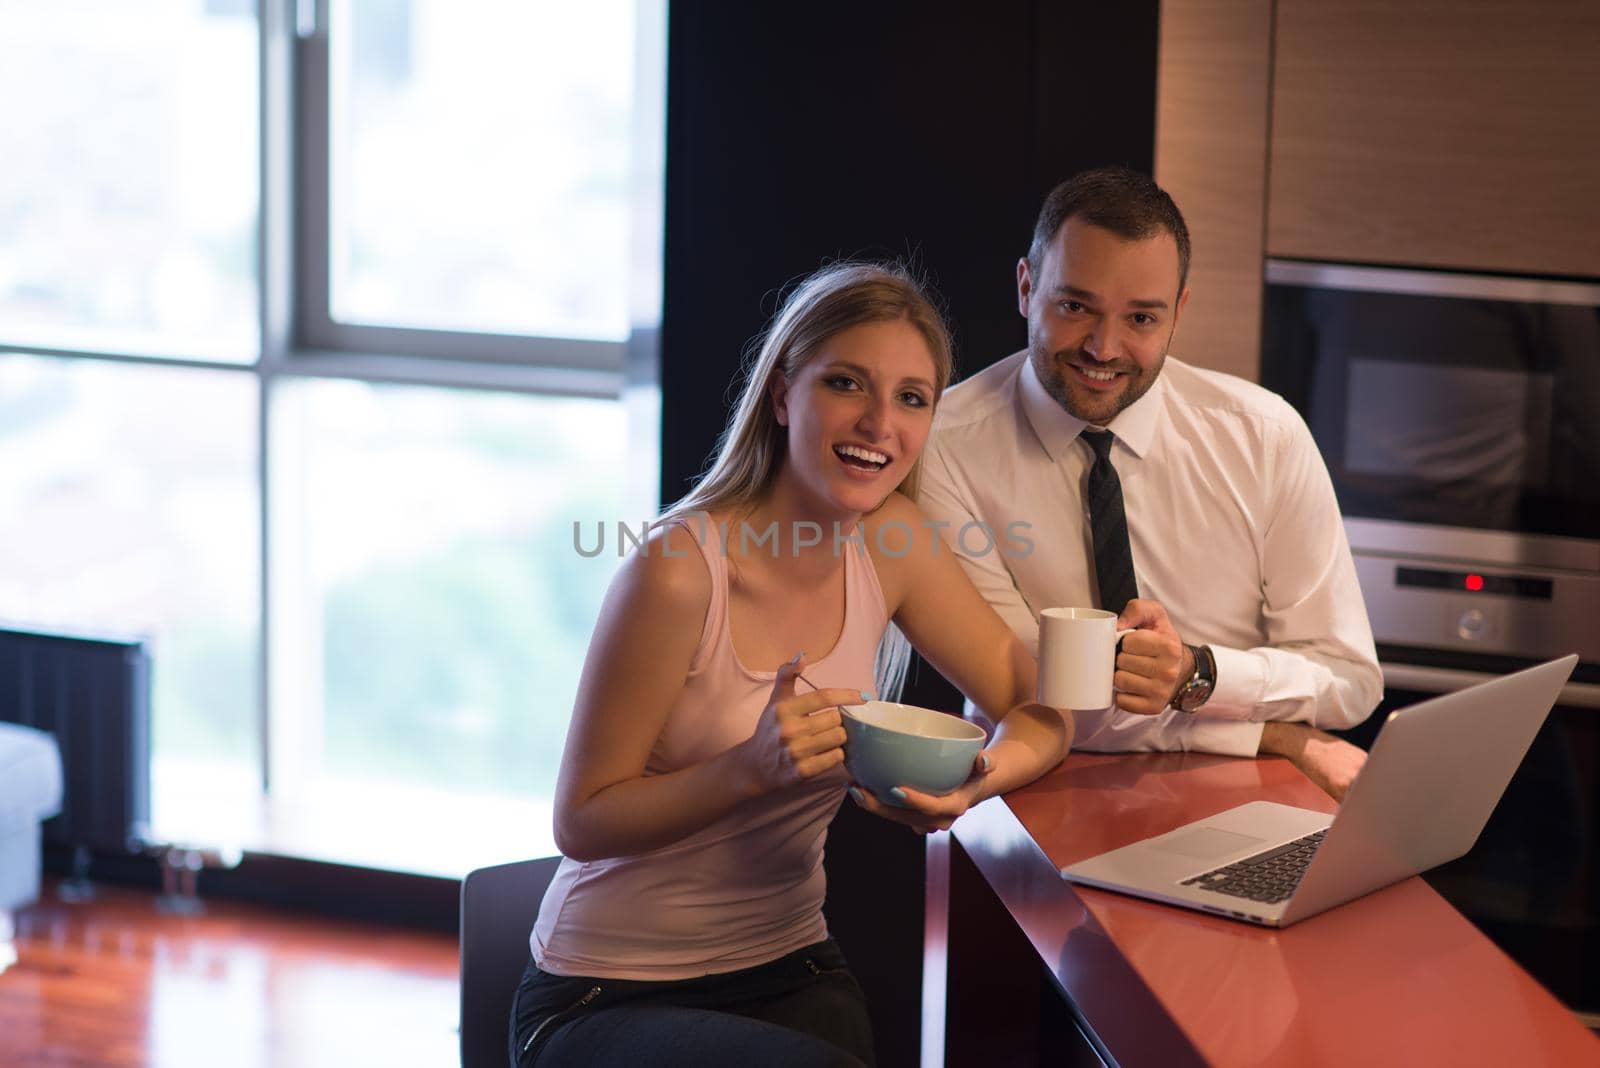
(477, 177)
(321, 324)
(431, 609)
(128, 187)
(129, 507)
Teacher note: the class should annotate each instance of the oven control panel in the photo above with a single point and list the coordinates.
(1490, 609)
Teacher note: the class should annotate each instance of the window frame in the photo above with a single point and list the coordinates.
(306, 333)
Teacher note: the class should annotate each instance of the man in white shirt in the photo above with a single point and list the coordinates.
(1252, 635)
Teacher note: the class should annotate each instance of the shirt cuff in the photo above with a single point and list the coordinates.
(1241, 680)
(1220, 736)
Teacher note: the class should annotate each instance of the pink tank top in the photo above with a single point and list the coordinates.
(748, 888)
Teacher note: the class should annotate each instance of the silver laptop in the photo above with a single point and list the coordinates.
(1433, 777)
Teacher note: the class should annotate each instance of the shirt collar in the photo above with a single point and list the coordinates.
(1134, 426)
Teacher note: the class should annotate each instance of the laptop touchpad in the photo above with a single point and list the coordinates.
(1205, 843)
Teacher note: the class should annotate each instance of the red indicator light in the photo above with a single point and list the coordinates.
(1474, 582)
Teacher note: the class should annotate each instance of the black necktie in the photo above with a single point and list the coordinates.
(1113, 560)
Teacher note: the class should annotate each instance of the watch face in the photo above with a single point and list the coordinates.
(1194, 694)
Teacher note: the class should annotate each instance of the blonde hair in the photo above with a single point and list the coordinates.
(751, 449)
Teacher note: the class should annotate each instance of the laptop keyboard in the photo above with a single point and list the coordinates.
(1267, 877)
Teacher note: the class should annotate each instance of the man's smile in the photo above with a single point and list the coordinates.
(1096, 374)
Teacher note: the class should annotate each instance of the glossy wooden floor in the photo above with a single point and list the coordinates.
(116, 983)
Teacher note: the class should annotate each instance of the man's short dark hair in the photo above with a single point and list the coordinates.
(1127, 203)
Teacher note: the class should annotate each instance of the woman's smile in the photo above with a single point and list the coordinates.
(861, 460)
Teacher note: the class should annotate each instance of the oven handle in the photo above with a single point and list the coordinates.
(1428, 283)
(1448, 680)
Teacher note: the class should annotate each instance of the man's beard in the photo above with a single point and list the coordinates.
(1078, 400)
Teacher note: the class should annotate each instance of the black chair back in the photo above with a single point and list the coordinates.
(498, 907)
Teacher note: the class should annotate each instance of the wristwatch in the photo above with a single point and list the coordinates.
(1196, 689)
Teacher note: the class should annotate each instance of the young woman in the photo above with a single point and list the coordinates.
(704, 760)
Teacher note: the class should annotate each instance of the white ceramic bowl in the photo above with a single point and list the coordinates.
(889, 744)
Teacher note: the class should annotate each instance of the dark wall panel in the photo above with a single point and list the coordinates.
(799, 133)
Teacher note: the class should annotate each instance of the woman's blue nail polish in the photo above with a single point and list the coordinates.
(797, 657)
(855, 792)
(866, 695)
(984, 759)
(897, 793)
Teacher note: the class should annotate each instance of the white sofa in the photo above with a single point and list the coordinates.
(30, 793)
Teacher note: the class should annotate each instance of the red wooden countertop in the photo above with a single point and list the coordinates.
(1396, 977)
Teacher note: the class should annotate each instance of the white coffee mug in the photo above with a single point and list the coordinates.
(1077, 657)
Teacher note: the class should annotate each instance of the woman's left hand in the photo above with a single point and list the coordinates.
(926, 813)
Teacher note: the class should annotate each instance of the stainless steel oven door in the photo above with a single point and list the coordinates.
(1462, 401)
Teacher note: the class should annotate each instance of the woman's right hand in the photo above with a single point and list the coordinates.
(798, 737)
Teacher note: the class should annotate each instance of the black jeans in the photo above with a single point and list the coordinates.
(803, 1009)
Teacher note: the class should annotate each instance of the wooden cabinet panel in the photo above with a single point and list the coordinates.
(1437, 133)
(1211, 155)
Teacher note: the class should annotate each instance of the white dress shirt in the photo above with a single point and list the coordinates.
(1233, 526)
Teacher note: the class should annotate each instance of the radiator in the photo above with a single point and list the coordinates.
(93, 695)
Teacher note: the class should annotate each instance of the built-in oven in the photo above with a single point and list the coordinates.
(1459, 416)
